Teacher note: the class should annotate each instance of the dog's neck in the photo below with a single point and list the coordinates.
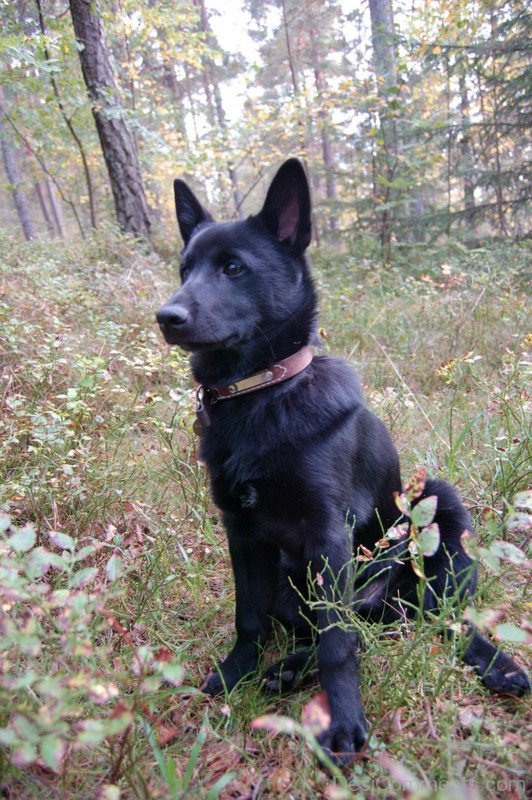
(222, 367)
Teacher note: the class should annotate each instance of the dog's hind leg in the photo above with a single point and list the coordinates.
(451, 574)
(497, 670)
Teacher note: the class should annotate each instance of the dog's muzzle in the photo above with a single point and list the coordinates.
(171, 319)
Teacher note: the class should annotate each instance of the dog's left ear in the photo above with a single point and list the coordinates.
(286, 210)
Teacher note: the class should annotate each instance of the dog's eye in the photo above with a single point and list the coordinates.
(232, 269)
(184, 271)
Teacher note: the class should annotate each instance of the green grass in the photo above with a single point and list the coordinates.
(96, 442)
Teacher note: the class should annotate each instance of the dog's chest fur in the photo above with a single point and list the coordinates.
(258, 447)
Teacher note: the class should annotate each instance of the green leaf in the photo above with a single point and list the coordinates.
(221, 783)
(491, 560)
(429, 539)
(53, 749)
(7, 736)
(23, 540)
(83, 577)
(507, 632)
(25, 728)
(24, 753)
(62, 540)
(110, 791)
(5, 522)
(508, 551)
(423, 512)
(523, 500)
(173, 672)
(37, 563)
(114, 567)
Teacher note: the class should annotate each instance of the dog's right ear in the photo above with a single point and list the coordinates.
(190, 212)
(286, 211)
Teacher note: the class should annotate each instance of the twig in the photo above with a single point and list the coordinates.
(410, 392)
(430, 724)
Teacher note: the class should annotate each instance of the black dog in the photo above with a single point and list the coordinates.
(303, 473)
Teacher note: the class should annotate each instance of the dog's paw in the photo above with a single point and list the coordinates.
(212, 684)
(343, 740)
(504, 676)
(292, 671)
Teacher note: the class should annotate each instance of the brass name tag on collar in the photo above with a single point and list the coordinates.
(248, 383)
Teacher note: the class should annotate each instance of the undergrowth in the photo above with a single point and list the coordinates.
(116, 591)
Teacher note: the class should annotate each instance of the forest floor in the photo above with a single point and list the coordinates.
(123, 570)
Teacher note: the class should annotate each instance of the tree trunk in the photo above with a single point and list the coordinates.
(39, 194)
(116, 139)
(466, 149)
(57, 211)
(326, 143)
(13, 177)
(382, 37)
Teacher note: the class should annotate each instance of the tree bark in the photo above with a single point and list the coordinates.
(326, 143)
(115, 136)
(19, 198)
(466, 149)
(57, 211)
(39, 194)
(382, 37)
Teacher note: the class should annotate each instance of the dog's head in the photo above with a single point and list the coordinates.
(240, 279)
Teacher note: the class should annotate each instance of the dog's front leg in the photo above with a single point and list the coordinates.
(338, 648)
(255, 566)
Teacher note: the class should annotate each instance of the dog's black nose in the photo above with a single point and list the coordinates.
(171, 316)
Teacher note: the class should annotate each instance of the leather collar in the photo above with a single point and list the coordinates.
(276, 373)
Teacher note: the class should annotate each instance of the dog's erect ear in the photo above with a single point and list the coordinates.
(190, 212)
(286, 210)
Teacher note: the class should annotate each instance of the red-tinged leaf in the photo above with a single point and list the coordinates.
(365, 552)
(62, 540)
(416, 484)
(172, 672)
(167, 733)
(383, 543)
(470, 544)
(509, 552)
(428, 540)
(164, 655)
(402, 503)
(523, 500)
(23, 754)
(274, 723)
(316, 716)
(114, 567)
(397, 532)
(319, 578)
(101, 693)
(403, 776)
(487, 618)
(423, 512)
(417, 569)
(279, 781)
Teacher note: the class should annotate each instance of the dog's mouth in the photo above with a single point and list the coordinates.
(195, 346)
